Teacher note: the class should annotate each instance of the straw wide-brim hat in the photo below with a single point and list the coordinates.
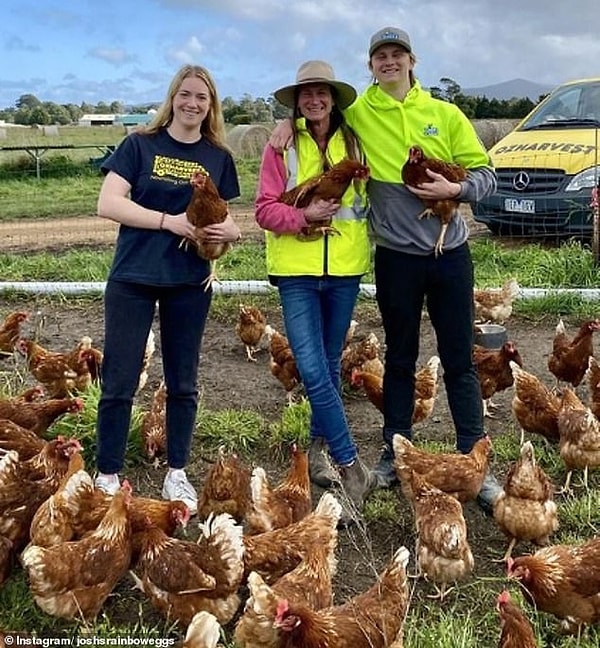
(316, 72)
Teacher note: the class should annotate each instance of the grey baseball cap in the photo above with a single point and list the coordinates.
(389, 36)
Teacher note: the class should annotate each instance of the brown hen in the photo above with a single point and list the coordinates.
(516, 630)
(226, 488)
(310, 583)
(275, 553)
(279, 506)
(332, 184)
(579, 431)
(494, 372)
(495, 305)
(442, 550)
(426, 387)
(414, 173)
(154, 426)
(51, 368)
(563, 580)
(74, 579)
(362, 354)
(525, 509)
(181, 577)
(372, 619)
(569, 358)
(534, 405)
(10, 331)
(38, 415)
(592, 378)
(459, 475)
(250, 328)
(282, 362)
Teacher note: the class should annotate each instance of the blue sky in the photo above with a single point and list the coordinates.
(108, 50)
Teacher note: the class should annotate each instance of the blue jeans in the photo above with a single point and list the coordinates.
(129, 311)
(317, 313)
(405, 282)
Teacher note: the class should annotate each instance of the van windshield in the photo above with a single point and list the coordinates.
(572, 106)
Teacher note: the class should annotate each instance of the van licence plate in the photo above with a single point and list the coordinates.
(522, 206)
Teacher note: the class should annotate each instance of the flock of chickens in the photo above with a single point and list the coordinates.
(264, 557)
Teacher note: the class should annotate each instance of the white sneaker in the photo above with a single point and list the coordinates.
(177, 487)
(110, 484)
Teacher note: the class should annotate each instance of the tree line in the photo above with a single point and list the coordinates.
(29, 110)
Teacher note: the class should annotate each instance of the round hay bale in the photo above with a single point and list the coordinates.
(50, 131)
(491, 131)
(248, 140)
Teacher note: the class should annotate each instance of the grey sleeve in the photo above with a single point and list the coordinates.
(480, 182)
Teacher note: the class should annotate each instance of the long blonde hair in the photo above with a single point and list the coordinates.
(212, 127)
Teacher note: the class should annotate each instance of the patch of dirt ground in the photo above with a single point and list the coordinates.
(228, 380)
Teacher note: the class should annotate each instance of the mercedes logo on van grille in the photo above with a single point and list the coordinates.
(521, 181)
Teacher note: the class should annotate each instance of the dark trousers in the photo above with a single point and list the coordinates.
(129, 311)
(405, 283)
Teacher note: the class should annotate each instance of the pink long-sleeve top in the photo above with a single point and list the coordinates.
(270, 213)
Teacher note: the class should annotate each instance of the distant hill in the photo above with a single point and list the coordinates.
(518, 88)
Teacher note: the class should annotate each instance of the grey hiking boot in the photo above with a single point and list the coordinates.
(384, 471)
(320, 469)
(490, 489)
(356, 483)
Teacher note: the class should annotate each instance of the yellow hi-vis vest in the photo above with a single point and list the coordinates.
(343, 254)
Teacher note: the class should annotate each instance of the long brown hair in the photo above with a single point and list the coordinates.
(212, 127)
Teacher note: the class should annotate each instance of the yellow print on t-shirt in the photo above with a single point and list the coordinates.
(175, 168)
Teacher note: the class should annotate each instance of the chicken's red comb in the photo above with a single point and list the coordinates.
(126, 486)
(282, 607)
(504, 597)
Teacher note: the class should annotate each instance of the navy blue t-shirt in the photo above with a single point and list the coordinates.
(159, 169)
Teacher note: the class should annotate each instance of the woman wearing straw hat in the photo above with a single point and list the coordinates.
(318, 280)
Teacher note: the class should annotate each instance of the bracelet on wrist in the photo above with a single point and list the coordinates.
(162, 220)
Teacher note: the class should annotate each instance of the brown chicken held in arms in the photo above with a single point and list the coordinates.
(459, 475)
(579, 431)
(494, 372)
(525, 509)
(275, 553)
(516, 630)
(74, 579)
(10, 331)
(414, 173)
(206, 207)
(289, 501)
(372, 619)
(329, 185)
(534, 405)
(495, 306)
(39, 415)
(569, 358)
(442, 550)
(563, 580)
(282, 362)
(250, 328)
(154, 426)
(226, 488)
